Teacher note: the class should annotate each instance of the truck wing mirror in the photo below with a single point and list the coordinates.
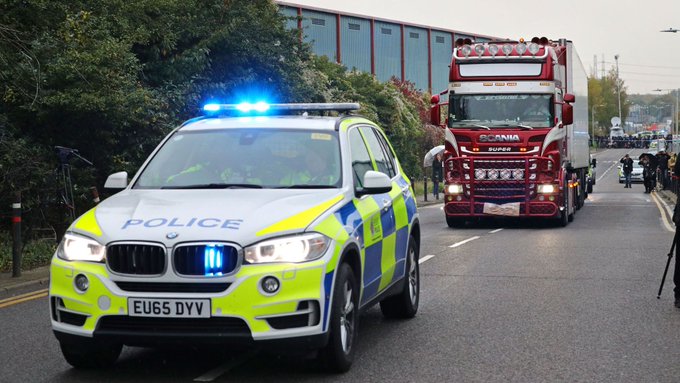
(569, 98)
(567, 114)
(435, 111)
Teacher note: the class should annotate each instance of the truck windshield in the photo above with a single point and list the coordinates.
(501, 111)
(245, 158)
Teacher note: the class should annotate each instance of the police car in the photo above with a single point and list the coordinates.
(255, 224)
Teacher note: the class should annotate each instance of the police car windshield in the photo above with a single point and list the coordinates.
(245, 158)
(501, 111)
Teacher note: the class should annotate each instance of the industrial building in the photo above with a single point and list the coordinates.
(385, 48)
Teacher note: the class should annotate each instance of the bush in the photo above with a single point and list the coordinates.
(35, 253)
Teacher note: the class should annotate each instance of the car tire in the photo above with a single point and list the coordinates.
(90, 354)
(338, 355)
(405, 304)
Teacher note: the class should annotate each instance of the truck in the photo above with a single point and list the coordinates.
(515, 118)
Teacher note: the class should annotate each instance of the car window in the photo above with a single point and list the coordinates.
(392, 158)
(381, 160)
(255, 158)
(361, 161)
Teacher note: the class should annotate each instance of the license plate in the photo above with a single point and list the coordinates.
(169, 308)
(507, 209)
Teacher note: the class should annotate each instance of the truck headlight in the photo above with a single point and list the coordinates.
(77, 248)
(295, 249)
(454, 189)
(546, 189)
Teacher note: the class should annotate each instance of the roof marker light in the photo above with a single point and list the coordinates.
(479, 49)
(493, 49)
(533, 49)
(466, 50)
(521, 48)
(507, 49)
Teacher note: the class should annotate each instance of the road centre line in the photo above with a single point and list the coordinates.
(495, 231)
(464, 241)
(23, 298)
(658, 201)
(425, 259)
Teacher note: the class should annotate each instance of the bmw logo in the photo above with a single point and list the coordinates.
(171, 235)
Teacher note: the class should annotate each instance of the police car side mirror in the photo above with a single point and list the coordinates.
(117, 181)
(376, 183)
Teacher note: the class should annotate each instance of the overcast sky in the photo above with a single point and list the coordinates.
(648, 59)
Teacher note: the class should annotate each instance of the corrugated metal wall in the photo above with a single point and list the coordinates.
(321, 29)
(387, 50)
(355, 43)
(441, 59)
(416, 57)
(290, 12)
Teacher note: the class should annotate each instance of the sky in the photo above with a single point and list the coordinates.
(648, 59)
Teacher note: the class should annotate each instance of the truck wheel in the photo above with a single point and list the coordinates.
(338, 354)
(454, 221)
(405, 304)
(89, 354)
(564, 219)
(589, 188)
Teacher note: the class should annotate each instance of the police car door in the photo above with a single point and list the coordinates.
(384, 164)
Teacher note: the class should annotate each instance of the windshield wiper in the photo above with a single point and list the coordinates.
(215, 186)
(307, 187)
(525, 127)
(470, 125)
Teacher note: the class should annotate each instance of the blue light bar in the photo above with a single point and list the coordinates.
(213, 259)
(262, 107)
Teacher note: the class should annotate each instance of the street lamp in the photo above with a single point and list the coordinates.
(618, 88)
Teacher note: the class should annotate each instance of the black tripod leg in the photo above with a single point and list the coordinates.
(668, 263)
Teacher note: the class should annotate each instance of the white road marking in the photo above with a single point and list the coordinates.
(425, 259)
(221, 370)
(605, 172)
(464, 242)
(495, 231)
(659, 202)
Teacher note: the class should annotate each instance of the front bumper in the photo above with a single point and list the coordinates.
(536, 208)
(241, 313)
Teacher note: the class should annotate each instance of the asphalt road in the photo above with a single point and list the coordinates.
(501, 301)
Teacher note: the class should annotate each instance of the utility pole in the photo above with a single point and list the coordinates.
(618, 85)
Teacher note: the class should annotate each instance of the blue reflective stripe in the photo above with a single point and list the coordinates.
(372, 271)
(387, 219)
(350, 219)
(327, 284)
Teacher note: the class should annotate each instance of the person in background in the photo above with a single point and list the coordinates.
(627, 168)
(663, 159)
(437, 175)
(648, 173)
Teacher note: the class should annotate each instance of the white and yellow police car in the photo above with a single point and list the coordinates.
(253, 224)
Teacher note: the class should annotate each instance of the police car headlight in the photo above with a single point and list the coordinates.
(77, 248)
(297, 248)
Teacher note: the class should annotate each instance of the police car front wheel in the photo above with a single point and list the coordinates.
(338, 354)
(90, 354)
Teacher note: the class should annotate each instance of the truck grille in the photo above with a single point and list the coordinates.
(138, 259)
(205, 259)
